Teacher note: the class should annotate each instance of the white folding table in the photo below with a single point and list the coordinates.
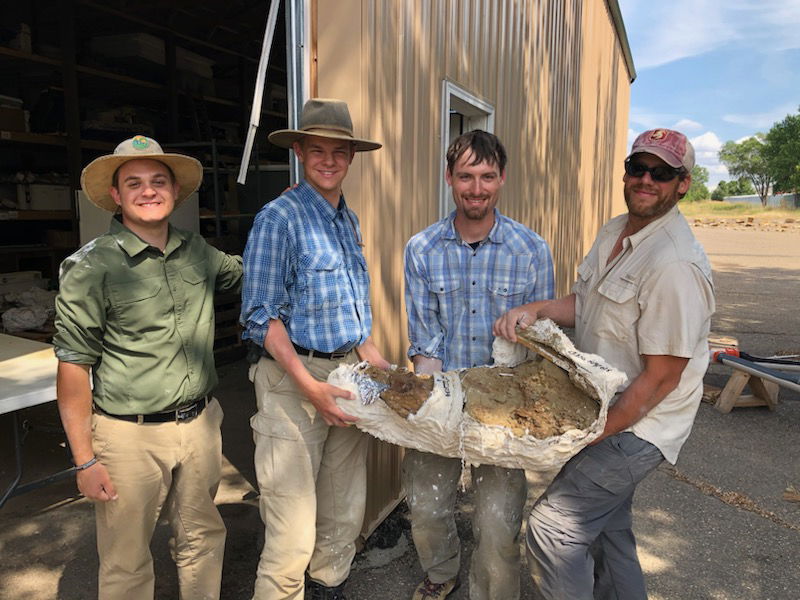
(27, 378)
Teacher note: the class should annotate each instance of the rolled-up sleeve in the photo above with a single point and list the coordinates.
(229, 272)
(425, 332)
(265, 293)
(80, 311)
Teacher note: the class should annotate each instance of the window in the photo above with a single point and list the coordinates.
(462, 111)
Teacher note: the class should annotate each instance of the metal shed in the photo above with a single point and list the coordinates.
(550, 77)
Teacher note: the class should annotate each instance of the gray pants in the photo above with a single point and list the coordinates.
(580, 541)
(431, 483)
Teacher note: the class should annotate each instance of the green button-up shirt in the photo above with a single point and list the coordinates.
(143, 319)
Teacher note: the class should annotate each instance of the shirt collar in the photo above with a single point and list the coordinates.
(651, 228)
(308, 194)
(132, 244)
(495, 234)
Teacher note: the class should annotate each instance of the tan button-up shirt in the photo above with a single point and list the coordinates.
(143, 319)
(656, 297)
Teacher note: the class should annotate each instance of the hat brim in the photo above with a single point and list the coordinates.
(96, 176)
(286, 137)
(667, 157)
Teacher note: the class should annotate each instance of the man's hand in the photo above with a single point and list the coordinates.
(323, 396)
(95, 483)
(505, 325)
(562, 311)
(369, 352)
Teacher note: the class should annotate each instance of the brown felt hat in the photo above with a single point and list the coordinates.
(97, 175)
(323, 117)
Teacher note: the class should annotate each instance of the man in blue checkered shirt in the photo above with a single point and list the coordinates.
(461, 274)
(305, 303)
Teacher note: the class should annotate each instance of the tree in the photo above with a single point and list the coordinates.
(698, 190)
(738, 187)
(746, 159)
(782, 152)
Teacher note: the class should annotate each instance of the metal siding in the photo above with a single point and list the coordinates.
(557, 77)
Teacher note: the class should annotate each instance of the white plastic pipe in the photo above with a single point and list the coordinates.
(762, 372)
(258, 94)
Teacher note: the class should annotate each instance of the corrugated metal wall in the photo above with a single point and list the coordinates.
(556, 75)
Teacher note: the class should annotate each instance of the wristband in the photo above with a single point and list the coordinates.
(86, 465)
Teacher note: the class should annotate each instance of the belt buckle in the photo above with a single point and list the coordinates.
(184, 414)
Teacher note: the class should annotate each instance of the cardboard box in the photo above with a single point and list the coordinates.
(50, 197)
(12, 119)
(61, 239)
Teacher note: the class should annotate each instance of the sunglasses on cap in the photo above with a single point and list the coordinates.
(662, 173)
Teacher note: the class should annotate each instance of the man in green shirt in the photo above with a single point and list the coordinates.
(136, 310)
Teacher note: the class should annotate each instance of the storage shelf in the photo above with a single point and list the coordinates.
(35, 215)
(28, 57)
(49, 139)
(10, 53)
(228, 216)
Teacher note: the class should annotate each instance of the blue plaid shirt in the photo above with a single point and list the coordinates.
(454, 293)
(303, 265)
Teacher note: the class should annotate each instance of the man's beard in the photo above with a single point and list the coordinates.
(476, 213)
(651, 210)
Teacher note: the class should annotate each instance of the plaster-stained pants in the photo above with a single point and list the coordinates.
(313, 481)
(172, 465)
(431, 483)
(580, 542)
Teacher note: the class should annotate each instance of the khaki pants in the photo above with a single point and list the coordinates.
(312, 481)
(431, 484)
(171, 466)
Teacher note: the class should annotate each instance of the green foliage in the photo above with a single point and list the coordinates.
(698, 190)
(747, 159)
(782, 152)
(709, 208)
(739, 187)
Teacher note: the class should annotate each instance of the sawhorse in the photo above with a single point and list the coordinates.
(765, 393)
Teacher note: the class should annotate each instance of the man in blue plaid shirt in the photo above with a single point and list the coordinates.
(305, 304)
(461, 274)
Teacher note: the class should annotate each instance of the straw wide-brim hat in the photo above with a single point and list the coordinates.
(96, 177)
(327, 118)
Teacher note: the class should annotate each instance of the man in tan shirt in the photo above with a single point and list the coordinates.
(643, 301)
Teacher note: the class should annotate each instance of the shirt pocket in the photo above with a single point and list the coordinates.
(322, 279)
(194, 275)
(361, 277)
(507, 289)
(620, 309)
(131, 302)
(581, 287)
(449, 297)
(196, 290)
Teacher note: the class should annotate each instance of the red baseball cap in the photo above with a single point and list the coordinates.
(670, 146)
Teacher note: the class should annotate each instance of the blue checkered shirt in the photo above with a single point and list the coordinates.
(303, 265)
(454, 293)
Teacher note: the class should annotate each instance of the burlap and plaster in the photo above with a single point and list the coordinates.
(441, 426)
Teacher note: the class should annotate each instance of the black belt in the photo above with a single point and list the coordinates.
(184, 413)
(335, 355)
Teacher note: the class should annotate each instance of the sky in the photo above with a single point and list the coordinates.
(716, 70)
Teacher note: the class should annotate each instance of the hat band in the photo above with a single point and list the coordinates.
(311, 129)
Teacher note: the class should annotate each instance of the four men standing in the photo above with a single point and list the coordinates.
(136, 307)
